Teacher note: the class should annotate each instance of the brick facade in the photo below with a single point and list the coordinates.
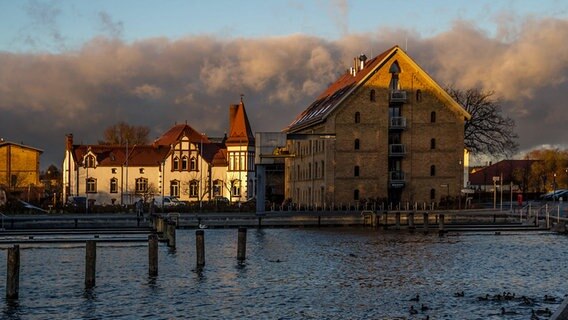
(433, 136)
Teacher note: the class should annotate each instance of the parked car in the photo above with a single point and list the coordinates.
(220, 199)
(76, 202)
(167, 201)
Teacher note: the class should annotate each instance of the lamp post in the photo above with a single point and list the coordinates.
(554, 187)
(495, 179)
(163, 182)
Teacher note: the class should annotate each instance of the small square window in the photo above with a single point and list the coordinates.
(142, 170)
(113, 170)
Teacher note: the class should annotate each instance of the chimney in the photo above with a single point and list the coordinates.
(362, 60)
(355, 66)
(69, 142)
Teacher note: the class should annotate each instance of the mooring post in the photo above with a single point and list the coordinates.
(386, 220)
(397, 219)
(200, 246)
(171, 231)
(90, 263)
(425, 221)
(13, 273)
(374, 219)
(441, 222)
(242, 244)
(153, 255)
(259, 222)
(411, 221)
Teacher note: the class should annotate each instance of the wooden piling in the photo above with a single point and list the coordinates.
(386, 220)
(242, 244)
(259, 222)
(171, 234)
(90, 263)
(374, 219)
(200, 246)
(397, 219)
(425, 221)
(153, 255)
(441, 222)
(411, 221)
(13, 273)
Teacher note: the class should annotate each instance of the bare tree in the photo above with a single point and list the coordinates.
(488, 131)
(121, 132)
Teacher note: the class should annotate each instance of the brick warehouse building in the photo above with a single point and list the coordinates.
(396, 135)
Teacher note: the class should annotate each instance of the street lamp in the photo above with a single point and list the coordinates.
(554, 187)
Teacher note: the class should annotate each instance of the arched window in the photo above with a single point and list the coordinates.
(184, 163)
(174, 188)
(356, 144)
(356, 194)
(91, 185)
(432, 144)
(357, 117)
(113, 185)
(433, 116)
(432, 170)
(418, 95)
(141, 185)
(90, 161)
(217, 188)
(193, 188)
(432, 194)
(193, 164)
(372, 96)
(394, 71)
(236, 188)
(175, 164)
(356, 171)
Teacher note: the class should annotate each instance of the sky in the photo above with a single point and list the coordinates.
(81, 66)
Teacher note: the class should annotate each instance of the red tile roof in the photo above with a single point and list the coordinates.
(505, 168)
(240, 130)
(178, 131)
(115, 155)
(326, 101)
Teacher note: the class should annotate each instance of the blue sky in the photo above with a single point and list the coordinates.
(56, 26)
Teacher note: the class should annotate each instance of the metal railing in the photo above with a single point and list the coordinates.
(398, 96)
(397, 150)
(397, 123)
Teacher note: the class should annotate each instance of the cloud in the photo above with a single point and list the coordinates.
(112, 28)
(43, 27)
(158, 82)
(339, 13)
(147, 91)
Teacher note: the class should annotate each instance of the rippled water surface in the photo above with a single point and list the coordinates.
(346, 273)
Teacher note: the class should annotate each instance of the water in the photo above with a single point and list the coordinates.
(343, 273)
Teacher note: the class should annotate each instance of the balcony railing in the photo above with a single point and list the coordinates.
(398, 96)
(397, 123)
(397, 150)
(396, 178)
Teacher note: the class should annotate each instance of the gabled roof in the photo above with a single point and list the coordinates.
(7, 143)
(240, 131)
(115, 155)
(215, 154)
(338, 91)
(503, 168)
(177, 132)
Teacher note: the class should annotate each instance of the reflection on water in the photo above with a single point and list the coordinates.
(346, 273)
